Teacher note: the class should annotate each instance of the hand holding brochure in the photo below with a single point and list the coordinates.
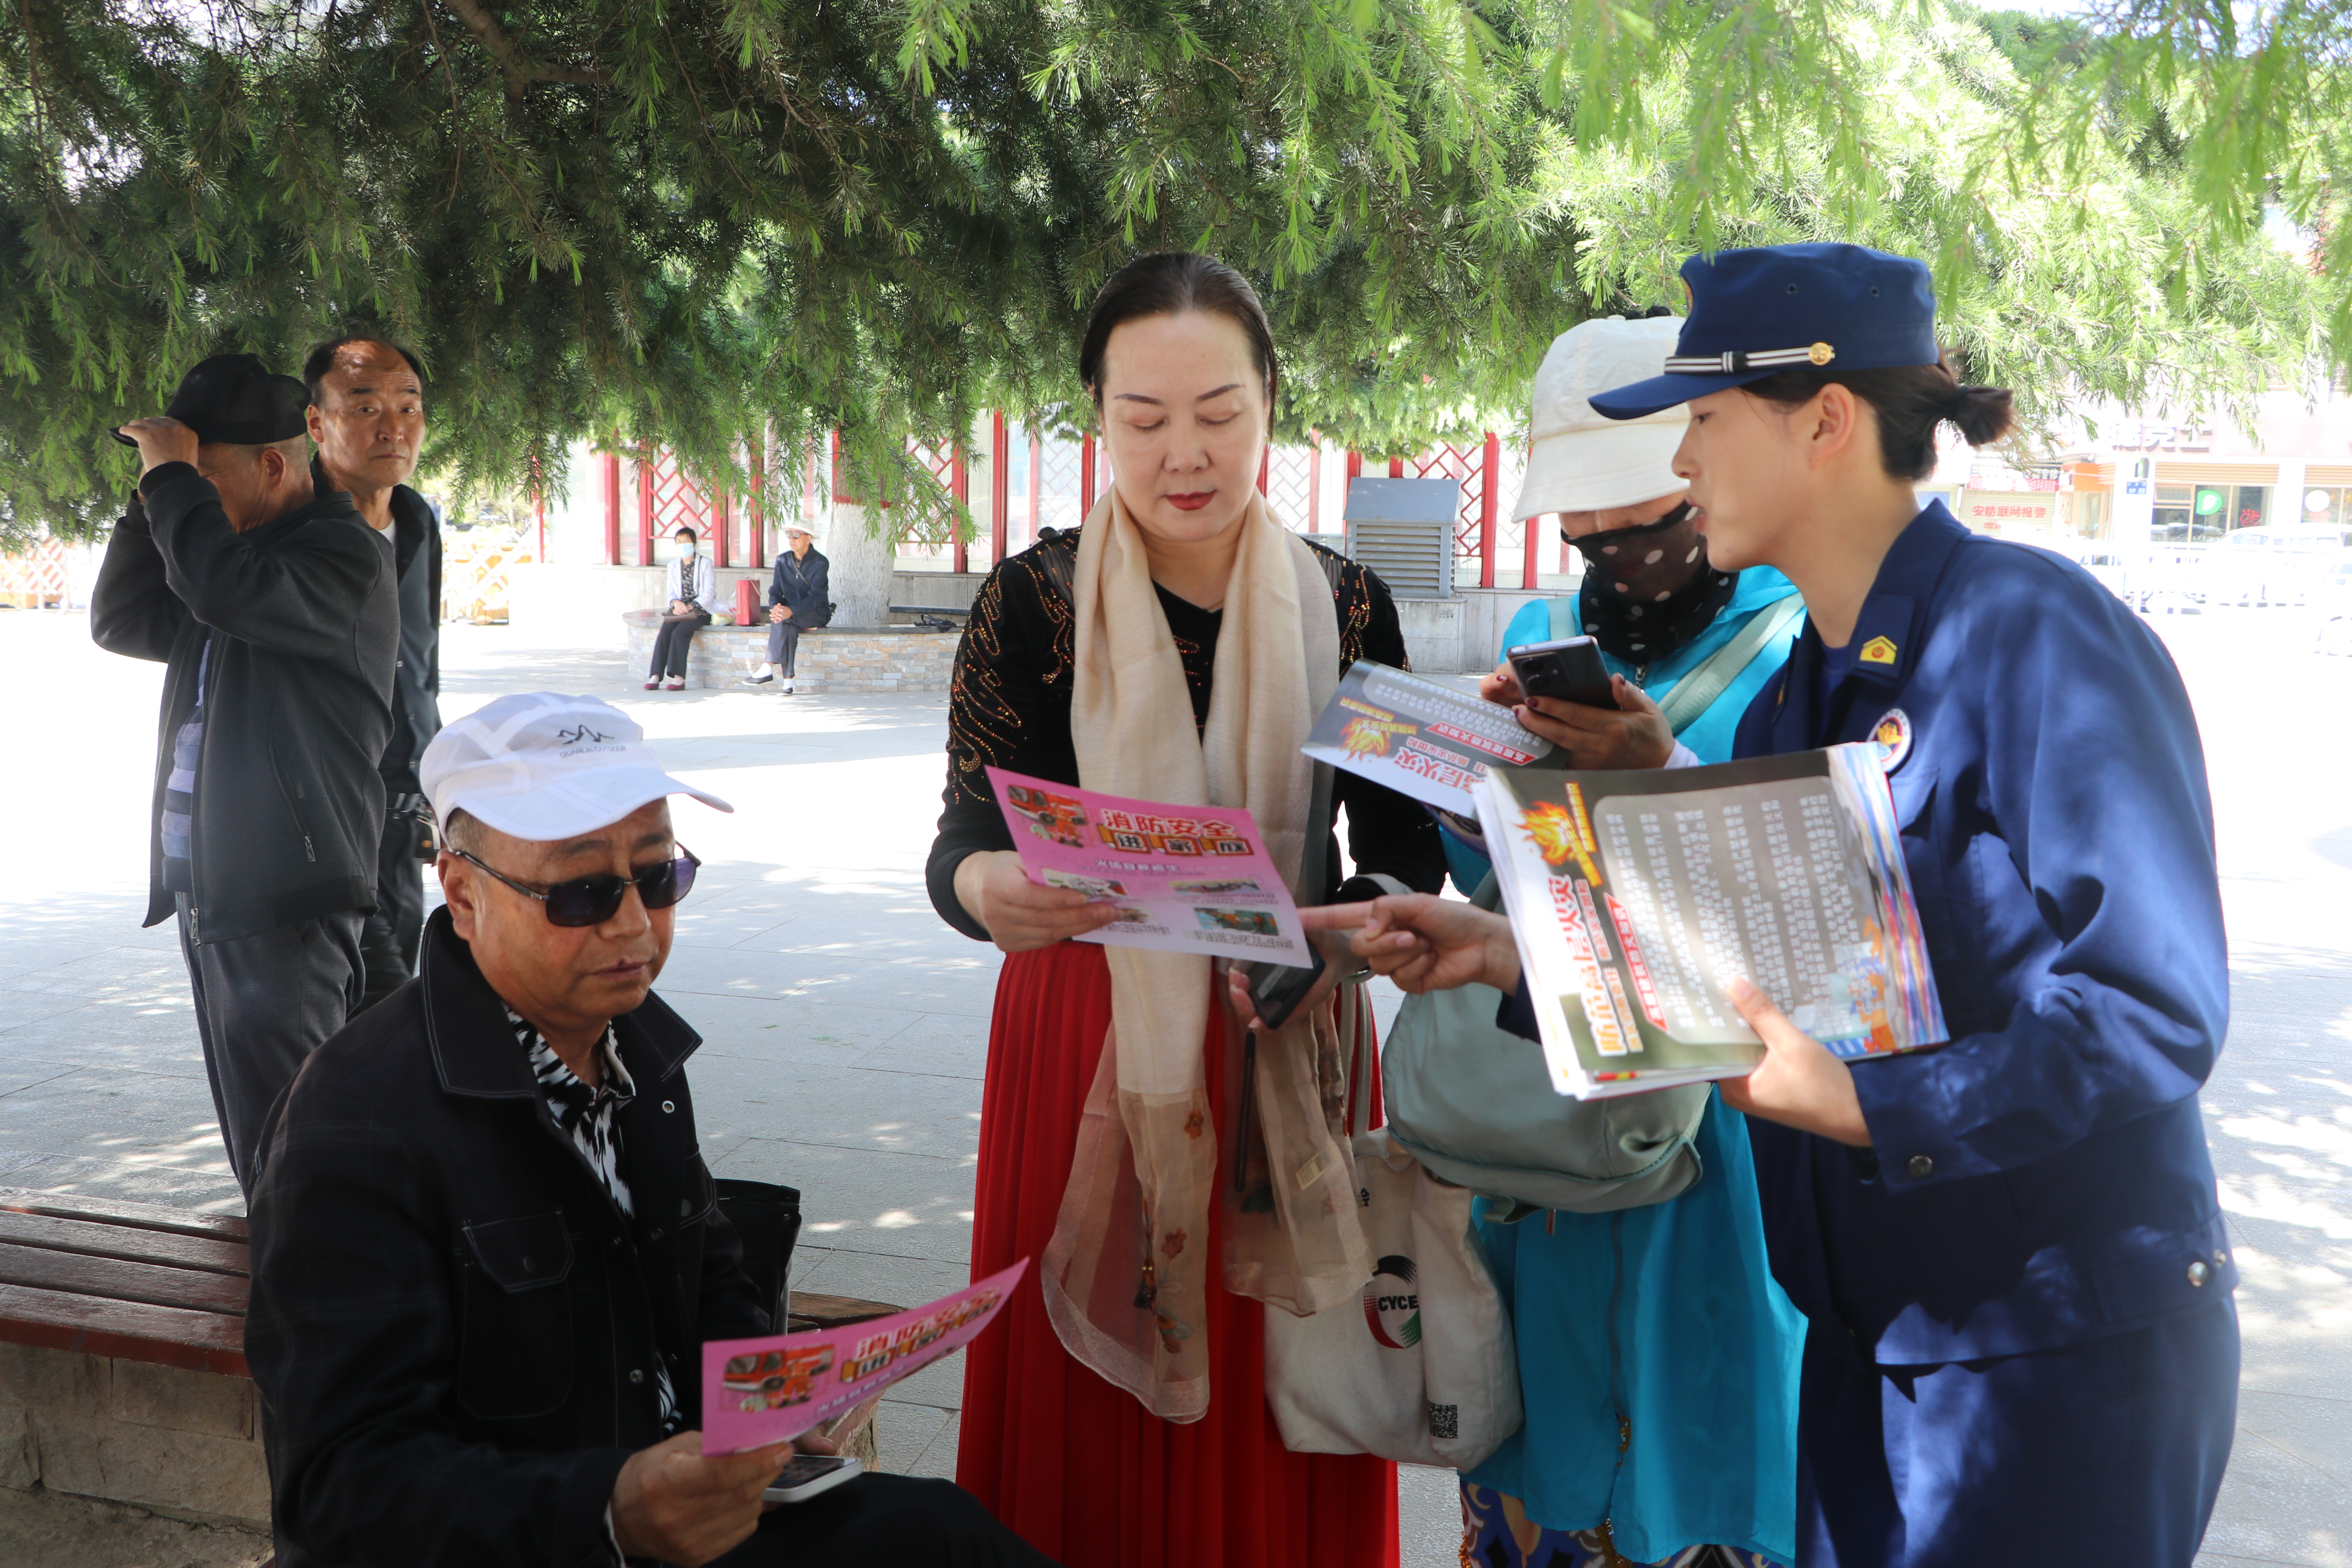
(1638, 897)
(1187, 879)
(1432, 742)
(760, 1391)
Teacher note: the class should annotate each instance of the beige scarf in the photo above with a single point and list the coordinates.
(1124, 1277)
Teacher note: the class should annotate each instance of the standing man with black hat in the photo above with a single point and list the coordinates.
(274, 608)
(367, 414)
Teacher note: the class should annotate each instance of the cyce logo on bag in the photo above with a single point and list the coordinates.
(1402, 1308)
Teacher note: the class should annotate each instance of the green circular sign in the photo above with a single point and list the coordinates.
(2208, 503)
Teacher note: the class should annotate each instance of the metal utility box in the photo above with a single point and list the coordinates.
(1403, 529)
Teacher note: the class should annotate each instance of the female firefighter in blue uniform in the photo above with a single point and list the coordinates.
(2022, 1342)
(2021, 1345)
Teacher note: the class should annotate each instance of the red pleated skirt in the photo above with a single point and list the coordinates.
(1073, 1465)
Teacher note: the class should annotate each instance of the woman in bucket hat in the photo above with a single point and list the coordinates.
(1632, 1450)
(2023, 1343)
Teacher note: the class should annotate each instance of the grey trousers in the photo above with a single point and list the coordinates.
(393, 935)
(264, 1003)
(783, 644)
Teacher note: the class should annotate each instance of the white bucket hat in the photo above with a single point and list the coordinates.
(542, 766)
(796, 525)
(1580, 461)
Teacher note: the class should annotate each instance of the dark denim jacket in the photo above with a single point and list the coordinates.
(451, 1321)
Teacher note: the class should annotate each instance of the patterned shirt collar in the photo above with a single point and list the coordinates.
(585, 1114)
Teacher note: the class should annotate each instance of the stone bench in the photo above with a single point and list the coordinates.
(122, 1372)
(859, 660)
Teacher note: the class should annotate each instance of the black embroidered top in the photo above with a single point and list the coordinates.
(1009, 706)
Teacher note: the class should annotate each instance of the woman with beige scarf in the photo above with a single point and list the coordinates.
(1172, 1181)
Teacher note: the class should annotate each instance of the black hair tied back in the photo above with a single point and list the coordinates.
(1982, 413)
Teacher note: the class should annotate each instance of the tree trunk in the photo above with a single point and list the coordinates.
(860, 559)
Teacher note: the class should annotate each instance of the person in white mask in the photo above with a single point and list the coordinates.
(693, 600)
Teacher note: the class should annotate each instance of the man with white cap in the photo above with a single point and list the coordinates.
(486, 1248)
(797, 602)
(1634, 1449)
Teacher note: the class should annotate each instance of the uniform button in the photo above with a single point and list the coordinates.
(657, 1234)
(668, 1106)
(2219, 1258)
(2199, 1273)
(1921, 1166)
(636, 1375)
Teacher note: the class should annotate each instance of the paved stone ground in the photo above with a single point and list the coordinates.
(846, 1027)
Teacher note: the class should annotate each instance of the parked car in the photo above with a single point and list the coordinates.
(2271, 565)
(2332, 597)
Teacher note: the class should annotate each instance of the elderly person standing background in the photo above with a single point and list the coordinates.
(367, 414)
(799, 600)
(1632, 1448)
(273, 608)
(486, 1248)
(693, 600)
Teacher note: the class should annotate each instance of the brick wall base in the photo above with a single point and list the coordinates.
(183, 1443)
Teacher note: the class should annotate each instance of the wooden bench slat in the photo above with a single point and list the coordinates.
(110, 1211)
(111, 1279)
(813, 1309)
(208, 1253)
(128, 1330)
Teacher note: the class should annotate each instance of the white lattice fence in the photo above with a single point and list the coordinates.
(1056, 480)
(475, 573)
(1290, 486)
(38, 577)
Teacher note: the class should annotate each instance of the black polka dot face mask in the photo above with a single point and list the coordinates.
(1648, 590)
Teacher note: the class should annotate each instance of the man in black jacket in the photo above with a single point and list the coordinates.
(797, 603)
(486, 1248)
(367, 414)
(273, 609)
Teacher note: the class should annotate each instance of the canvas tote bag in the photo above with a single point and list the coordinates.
(1422, 1369)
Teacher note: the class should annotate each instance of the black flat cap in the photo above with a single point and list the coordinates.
(234, 399)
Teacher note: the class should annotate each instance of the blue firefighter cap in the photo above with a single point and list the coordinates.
(1759, 312)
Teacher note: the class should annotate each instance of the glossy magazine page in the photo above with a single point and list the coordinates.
(1638, 897)
(1430, 741)
(1186, 879)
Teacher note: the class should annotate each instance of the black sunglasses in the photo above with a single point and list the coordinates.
(593, 900)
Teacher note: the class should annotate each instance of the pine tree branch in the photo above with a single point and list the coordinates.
(520, 70)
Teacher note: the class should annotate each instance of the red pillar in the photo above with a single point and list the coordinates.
(1355, 464)
(721, 525)
(960, 481)
(1396, 467)
(1000, 483)
(1036, 483)
(1531, 573)
(1491, 459)
(644, 506)
(608, 474)
(755, 515)
(1086, 477)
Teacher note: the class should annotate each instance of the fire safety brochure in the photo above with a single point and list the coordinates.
(1187, 879)
(1638, 897)
(762, 1391)
(1432, 742)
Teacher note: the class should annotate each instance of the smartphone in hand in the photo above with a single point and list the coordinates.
(807, 1475)
(1570, 670)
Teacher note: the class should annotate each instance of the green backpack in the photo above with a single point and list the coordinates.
(1475, 1104)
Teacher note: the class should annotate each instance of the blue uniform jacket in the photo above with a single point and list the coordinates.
(2043, 1178)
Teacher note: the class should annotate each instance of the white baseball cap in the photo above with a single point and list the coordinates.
(1579, 460)
(544, 766)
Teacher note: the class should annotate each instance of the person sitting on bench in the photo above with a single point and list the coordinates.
(486, 1249)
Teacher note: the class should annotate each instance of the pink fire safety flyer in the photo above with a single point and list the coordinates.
(757, 1392)
(1187, 879)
